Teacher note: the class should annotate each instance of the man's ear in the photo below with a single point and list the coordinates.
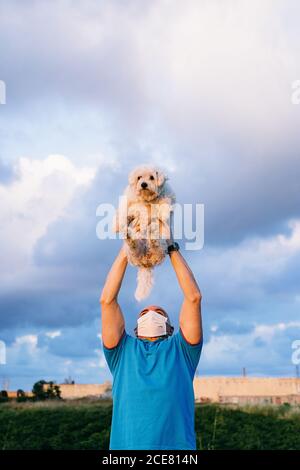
(170, 329)
(161, 177)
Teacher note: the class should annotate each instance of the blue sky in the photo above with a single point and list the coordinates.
(95, 88)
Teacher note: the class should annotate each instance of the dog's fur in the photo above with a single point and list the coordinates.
(143, 218)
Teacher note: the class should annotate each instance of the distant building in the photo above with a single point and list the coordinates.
(71, 391)
(241, 390)
(14, 394)
(235, 390)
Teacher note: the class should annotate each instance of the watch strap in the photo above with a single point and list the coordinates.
(173, 247)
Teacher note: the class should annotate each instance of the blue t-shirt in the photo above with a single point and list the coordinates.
(153, 395)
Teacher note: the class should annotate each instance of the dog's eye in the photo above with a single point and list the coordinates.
(152, 177)
(139, 177)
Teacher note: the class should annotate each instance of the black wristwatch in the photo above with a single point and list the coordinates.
(173, 247)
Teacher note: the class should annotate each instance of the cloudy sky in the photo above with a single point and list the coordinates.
(94, 88)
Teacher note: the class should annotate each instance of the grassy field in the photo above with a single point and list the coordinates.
(85, 424)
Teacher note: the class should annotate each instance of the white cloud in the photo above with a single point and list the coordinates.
(67, 363)
(220, 349)
(36, 198)
(29, 342)
(267, 332)
(208, 80)
(53, 334)
(264, 348)
(28, 361)
(198, 64)
(101, 359)
(242, 271)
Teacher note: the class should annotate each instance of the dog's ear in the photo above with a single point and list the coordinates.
(132, 178)
(161, 177)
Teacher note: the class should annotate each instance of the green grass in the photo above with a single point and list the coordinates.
(248, 428)
(85, 424)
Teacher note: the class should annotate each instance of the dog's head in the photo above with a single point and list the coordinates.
(147, 182)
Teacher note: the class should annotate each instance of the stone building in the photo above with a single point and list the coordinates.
(71, 391)
(241, 390)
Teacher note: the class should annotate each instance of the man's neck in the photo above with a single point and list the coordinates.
(153, 338)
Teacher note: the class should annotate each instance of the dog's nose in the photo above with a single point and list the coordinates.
(144, 185)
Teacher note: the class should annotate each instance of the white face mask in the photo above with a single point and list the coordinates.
(152, 324)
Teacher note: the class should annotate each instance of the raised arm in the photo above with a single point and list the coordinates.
(190, 320)
(113, 323)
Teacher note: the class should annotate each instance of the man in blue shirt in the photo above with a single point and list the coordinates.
(153, 396)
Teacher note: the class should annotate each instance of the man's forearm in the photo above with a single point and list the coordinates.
(113, 323)
(185, 277)
(114, 279)
(190, 320)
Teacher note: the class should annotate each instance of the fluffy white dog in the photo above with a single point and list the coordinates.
(143, 218)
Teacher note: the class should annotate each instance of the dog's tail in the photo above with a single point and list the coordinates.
(144, 283)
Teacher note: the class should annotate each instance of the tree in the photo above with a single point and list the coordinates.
(21, 395)
(43, 390)
(57, 391)
(39, 390)
(3, 396)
